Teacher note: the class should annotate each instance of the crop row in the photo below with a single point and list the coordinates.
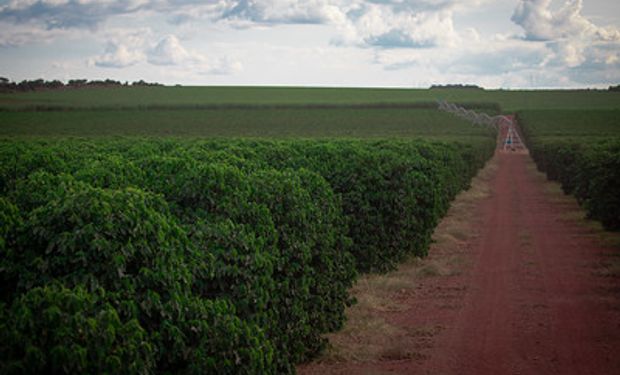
(581, 150)
(170, 256)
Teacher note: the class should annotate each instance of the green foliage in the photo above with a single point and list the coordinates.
(110, 171)
(279, 243)
(259, 122)
(392, 192)
(116, 239)
(313, 269)
(10, 220)
(229, 256)
(125, 242)
(581, 150)
(213, 97)
(57, 330)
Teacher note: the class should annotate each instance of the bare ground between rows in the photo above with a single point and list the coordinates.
(517, 282)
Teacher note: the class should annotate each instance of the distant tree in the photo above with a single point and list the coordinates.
(457, 86)
(614, 88)
(77, 82)
(6, 85)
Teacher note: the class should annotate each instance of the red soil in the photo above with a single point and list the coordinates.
(529, 302)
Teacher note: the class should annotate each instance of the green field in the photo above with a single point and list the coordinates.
(572, 123)
(280, 123)
(268, 111)
(132, 97)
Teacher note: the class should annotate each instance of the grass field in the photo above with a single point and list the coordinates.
(282, 123)
(213, 96)
(572, 123)
(270, 111)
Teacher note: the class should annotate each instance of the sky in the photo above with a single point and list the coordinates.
(354, 43)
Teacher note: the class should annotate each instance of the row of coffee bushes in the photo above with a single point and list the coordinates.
(188, 256)
(586, 164)
(393, 192)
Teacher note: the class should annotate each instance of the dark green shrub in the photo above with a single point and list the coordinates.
(110, 171)
(581, 155)
(116, 239)
(57, 330)
(234, 256)
(598, 186)
(313, 269)
(125, 242)
(10, 220)
(243, 268)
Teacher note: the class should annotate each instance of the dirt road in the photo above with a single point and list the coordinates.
(531, 297)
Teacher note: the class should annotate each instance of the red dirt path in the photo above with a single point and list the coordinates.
(530, 300)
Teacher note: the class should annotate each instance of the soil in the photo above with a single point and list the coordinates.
(529, 298)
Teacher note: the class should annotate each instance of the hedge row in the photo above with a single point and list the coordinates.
(587, 167)
(393, 192)
(170, 256)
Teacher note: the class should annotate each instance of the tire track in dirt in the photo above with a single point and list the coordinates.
(528, 299)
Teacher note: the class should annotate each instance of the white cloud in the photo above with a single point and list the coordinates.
(435, 41)
(22, 34)
(540, 23)
(118, 55)
(170, 52)
(572, 41)
(66, 14)
(285, 11)
(388, 26)
(125, 48)
(379, 23)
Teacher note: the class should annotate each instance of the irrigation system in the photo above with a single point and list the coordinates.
(512, 140)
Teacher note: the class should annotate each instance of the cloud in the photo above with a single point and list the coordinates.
(375, 23)
(65, 14)
(285, 11)
(118, 55)
(12, 35)
(574, 44)
(390, 25)
(125, 48)
(540, 23)
(170, 52)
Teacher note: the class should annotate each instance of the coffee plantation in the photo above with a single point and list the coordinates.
(205, 256)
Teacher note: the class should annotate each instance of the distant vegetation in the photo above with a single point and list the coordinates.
(7, 85)
(213, 97)
(581, 150)
(240, 122)
(457, 86)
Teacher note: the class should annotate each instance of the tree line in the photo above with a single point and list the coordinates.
(6, 85)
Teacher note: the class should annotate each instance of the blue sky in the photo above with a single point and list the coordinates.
(387, 43)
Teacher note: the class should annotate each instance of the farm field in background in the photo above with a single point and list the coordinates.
(128, 97)
(575, 123)
(257, 122)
